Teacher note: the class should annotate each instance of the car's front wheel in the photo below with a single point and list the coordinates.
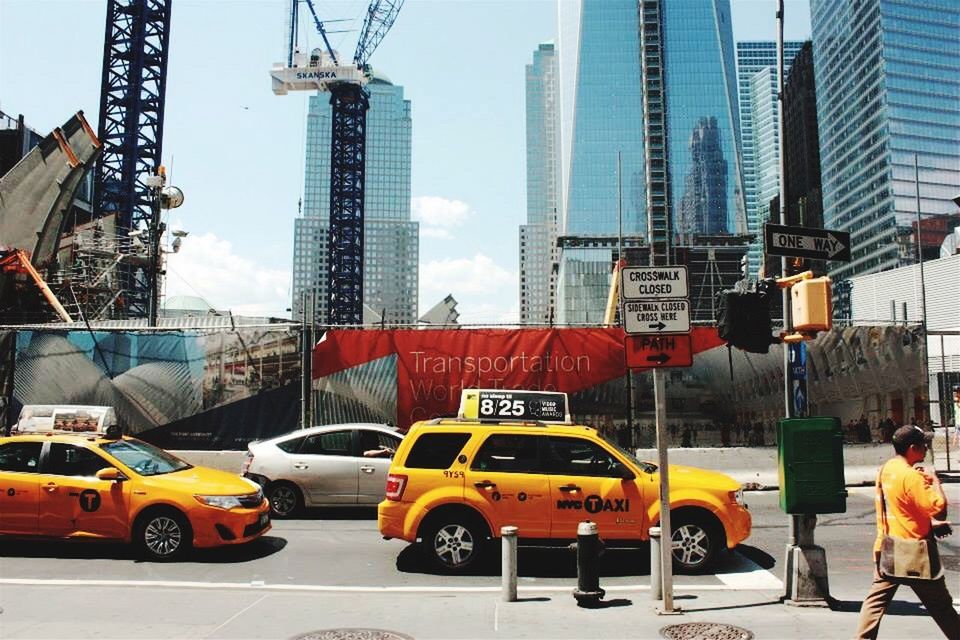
(285, 499)
(696, 541)
(454, 542)
(164, 535)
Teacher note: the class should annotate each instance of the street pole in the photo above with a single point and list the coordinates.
(923, 291)
(622, 262)
(805, 569)
(304, 362)
(156, 231)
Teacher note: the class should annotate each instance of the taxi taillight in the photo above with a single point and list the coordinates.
(396, 483)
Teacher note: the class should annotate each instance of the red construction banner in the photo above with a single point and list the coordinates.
(434, 365)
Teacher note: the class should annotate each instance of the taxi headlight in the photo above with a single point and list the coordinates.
(737, 496)
(223, 502)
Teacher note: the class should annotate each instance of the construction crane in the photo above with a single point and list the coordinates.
(135, 47)
(323, 71)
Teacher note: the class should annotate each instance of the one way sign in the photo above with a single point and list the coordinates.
(807, 242)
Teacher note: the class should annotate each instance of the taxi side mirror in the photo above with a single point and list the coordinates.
(111, 474)
(622, 471)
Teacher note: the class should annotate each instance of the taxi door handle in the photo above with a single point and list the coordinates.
(569, 488)
(486, 484)
(300, 465)
(50, 487)
(367, 469)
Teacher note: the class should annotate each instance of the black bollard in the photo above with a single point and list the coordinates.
(588, 592)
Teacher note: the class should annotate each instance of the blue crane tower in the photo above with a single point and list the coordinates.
(136, 42)
(322, 70)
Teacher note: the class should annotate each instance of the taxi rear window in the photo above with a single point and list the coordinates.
(435, 450)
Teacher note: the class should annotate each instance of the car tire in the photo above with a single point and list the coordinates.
(454, 542)
(163, 535)
(285, 499)
(697, 539)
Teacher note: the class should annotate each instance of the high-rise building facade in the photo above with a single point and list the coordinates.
(686, 82)
(538, 237)
(760, 138)
(801, 143)
(888, 90)
(391, 238)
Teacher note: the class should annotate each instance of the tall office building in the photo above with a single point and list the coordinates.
(888, 87)
(391, 240)
(801, 143)
(683, 78)
(760, 138)
(538, 237)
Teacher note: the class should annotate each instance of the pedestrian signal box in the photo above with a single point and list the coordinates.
(810, 456)
(812, 305)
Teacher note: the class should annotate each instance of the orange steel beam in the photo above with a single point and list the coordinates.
(18, 262)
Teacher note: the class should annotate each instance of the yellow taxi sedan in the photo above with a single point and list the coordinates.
(58, 483)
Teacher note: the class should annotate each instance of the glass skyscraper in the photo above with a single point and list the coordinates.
(761, 146)
(888, 87)
(391, 240)
(602, 114)
(538, 238)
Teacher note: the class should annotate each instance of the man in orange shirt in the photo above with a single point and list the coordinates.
(913, 497)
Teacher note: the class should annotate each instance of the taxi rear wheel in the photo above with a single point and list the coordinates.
(163, 535)
(285, 499)
(454, 542)
(697, 539)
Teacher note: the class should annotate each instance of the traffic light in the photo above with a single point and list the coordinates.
(743, 319)
(812, 305)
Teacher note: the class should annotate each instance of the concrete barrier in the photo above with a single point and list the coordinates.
(753, 467)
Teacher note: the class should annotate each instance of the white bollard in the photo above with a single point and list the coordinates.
(656, 577)
(508, 570)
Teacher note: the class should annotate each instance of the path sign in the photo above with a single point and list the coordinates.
(806, 242)
(656, 317)
(643, 283)
(645, 352)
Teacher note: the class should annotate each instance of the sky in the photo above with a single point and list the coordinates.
(237, 150)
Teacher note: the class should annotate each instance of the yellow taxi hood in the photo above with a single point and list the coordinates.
(205, 481)
(695, 477)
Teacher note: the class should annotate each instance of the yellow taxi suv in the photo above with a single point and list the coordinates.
(67, 472)
(515, 458)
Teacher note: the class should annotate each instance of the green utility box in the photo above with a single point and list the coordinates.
(810, 456)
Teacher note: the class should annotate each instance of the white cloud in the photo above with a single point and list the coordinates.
(438, 215)
(486, 293)
(206, 266)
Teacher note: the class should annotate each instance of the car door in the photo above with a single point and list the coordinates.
(376, 453)
(584, 485)
(326, 468)
(504, 481)
(73, 501)
(19, 487)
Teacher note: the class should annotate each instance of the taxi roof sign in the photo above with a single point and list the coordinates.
(515, 405)
(66, 418)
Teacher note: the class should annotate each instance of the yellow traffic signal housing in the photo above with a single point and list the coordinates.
(812, 305)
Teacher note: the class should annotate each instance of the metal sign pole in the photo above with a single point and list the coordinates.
(666, 546)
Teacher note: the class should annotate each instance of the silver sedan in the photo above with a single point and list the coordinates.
(328, 466)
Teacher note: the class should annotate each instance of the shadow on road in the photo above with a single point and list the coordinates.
(895, 608)
(337, 513)
(101, 550)
(763, 559)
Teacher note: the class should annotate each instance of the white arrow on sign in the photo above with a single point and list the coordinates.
(831, 245)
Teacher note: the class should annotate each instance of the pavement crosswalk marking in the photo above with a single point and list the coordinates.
(749, 575)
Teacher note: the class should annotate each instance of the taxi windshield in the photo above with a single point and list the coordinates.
(648, 467)
(145, 459)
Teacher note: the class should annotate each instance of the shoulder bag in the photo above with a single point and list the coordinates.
(906, 557)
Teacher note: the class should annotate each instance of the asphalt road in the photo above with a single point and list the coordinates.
(340, 553)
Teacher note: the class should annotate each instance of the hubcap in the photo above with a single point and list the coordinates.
(453, 544)
(283, 500)
(691, 545)
(163, 536)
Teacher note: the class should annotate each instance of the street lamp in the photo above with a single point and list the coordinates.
(163, 197)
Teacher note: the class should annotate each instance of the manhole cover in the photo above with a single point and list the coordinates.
(705, 631)
(351, 634)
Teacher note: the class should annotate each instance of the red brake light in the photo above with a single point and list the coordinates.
(396, 483)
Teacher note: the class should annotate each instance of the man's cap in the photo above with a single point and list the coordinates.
(911, 434)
